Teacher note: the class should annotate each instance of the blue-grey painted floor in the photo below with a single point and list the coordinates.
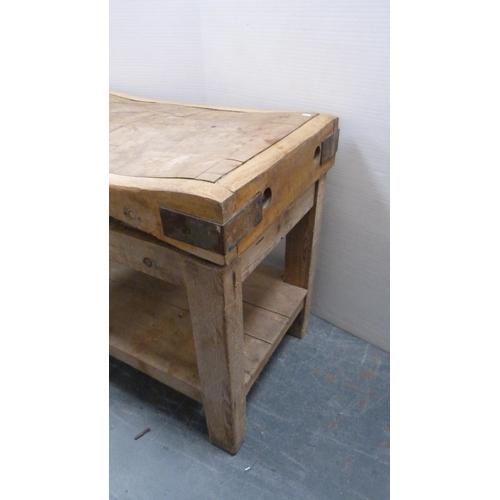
(317, 428)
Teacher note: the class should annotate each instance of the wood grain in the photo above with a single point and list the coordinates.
(209, 163)
(144, 253)
(150, 333)
(198, 197)
(287, 171)
(252, 256)
(301, 254)
(216, 305)
(151, 325)
(153, 139)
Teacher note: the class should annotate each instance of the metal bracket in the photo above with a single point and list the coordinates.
(329, 147)
(201, 233)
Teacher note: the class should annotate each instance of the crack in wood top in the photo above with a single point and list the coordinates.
(169, 140)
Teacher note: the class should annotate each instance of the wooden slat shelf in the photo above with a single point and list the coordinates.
(150, 324)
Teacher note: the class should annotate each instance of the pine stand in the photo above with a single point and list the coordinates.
(198, 198)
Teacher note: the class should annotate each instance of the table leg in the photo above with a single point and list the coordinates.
(216, 305)
(301, 253)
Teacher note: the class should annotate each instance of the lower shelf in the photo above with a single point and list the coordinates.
(150, 324)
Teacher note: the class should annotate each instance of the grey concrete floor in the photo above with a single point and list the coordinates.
(317, 428)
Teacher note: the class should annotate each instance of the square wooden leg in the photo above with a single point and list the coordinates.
(216, 304)
(301, 253)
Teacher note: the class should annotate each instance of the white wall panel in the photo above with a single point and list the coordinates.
(329, 56)
(155, 49)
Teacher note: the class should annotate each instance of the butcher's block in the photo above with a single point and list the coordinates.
(199, 196)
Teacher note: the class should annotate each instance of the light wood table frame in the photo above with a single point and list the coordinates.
(203, 321)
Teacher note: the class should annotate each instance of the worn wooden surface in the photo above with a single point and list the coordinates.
(208, 164)
(253, 255)
(301, 253)
(216, 305)
(266, 291)
(151, 329)
(144, 253)
(198, 197)
(159, 140)
(287, 171)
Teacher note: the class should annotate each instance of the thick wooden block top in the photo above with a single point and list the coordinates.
(160, 140)
(204, 179)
